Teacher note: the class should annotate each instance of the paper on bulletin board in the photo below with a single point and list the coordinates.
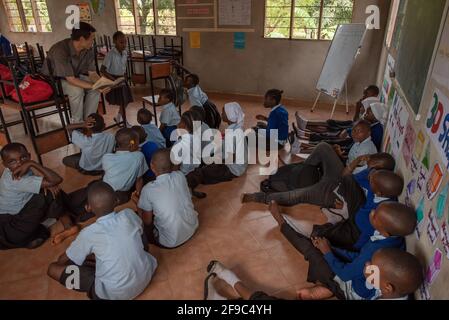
(433, 228)
(397, 122)
(434, 182)
(423, 173)
(98, 6)
(441, 202)
(239, 40)
(195, 40)
(409, 143)
(234, 12)
(85, 15)
(420, 143)
(437, 123)
(445, 238)
(435, 266)
(387, 86)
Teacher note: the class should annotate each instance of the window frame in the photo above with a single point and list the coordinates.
(292, 21)
(22, 16)
(137, 26)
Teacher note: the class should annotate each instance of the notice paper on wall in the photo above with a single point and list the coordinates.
(434, 267)
(234, 12)
(195, 40)
(85, 15)
(397, 122)
(239, 40)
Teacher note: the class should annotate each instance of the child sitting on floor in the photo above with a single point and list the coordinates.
(197, 97)
(169, 116)
(93, 142)
(166, 205)
(148, 148)
(145, 118)
(29, 194)
(123, 171)
(109, 255)
(113, 67)
(277, 121)
(400, 275)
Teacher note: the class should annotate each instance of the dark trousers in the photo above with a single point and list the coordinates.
(17, 231)
(73, 161)
(209, 174)
(319, 270)
(86, 279)
(338, 125)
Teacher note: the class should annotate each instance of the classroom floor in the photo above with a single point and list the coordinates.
(243, 237)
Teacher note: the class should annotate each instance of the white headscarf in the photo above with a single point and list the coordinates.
(234, 113)
(378, 108)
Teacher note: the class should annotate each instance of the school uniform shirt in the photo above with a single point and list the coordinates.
(169, 115)
(116, 62)
(278, 120)
(197, 97)
(377, 135)
(123, 168)
(14, 194)
(154, 135)
(188, 160)
(148, 149)
(240, 164)
(363, 148)
(93, 148)
(169, 198)
(123, 269)
(349, 275)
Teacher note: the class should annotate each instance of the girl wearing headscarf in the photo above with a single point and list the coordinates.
(376, 113)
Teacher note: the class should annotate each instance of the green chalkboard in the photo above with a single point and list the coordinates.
(417, 26)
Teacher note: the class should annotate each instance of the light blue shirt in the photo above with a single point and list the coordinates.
(169, 198)
(154, 135)
(116, 62)
(93, 148)
(123, 168)
(14, 194)
(183, 153)
(169, 115)
(363, 148)
(123, 268)
(197, 97)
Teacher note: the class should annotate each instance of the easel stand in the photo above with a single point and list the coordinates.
(335, 101)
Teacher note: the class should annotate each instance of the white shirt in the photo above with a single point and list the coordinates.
(123, 168)
(93, 148)
(183, 153)
(240, 162)
(154, 135)
(116, 62)
(363, 148)
(171, 202)
(197, 97)
(123, 268)
(14, 194)
(169, 115)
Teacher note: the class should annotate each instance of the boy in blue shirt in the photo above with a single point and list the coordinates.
(148, 148)
(145, 118)
(277, 121)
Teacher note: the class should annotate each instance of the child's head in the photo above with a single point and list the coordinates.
(144, 116)
(14, 155)
(393, 219)
(375, 112)
(127, 140)
(198, 113)
(160, 162)
(166, 96)
(386, 184)
(371, 91)
(400, 273)
(101, 199)
(361, 131)
(232, 113)
(381, 161)
(141, 133)
(119, 40)
(192, 80)
(272, 98)
(186, 122)
(99, 122)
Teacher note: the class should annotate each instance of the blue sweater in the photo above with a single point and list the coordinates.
(354, 269)
(278, 119)
(148, 149)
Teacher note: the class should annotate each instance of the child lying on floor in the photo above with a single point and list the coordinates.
(109, 255)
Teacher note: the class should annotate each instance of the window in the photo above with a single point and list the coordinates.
(146, 16)
(27, 15)
(305, 19)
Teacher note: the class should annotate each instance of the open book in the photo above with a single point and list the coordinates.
(104, 83)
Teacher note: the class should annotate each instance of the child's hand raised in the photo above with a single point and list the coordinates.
(322, 244)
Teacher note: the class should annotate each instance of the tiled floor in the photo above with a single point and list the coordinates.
(243, 237)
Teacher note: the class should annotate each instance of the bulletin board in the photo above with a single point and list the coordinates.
(215, 15)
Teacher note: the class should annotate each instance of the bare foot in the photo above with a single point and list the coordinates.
(276, 213)
(315, 293)
(60, 237)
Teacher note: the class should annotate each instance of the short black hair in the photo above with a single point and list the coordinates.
(194, 77)
(11, 147)
(187, 119)
(124, 136)
(117, 35)
(99, 122)
(275, 94)
(144, 116)
(167, 93)
(84, 30)
(373, 89)
(198, 113)
(387, 160)
(141, 132)
(364, 124)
